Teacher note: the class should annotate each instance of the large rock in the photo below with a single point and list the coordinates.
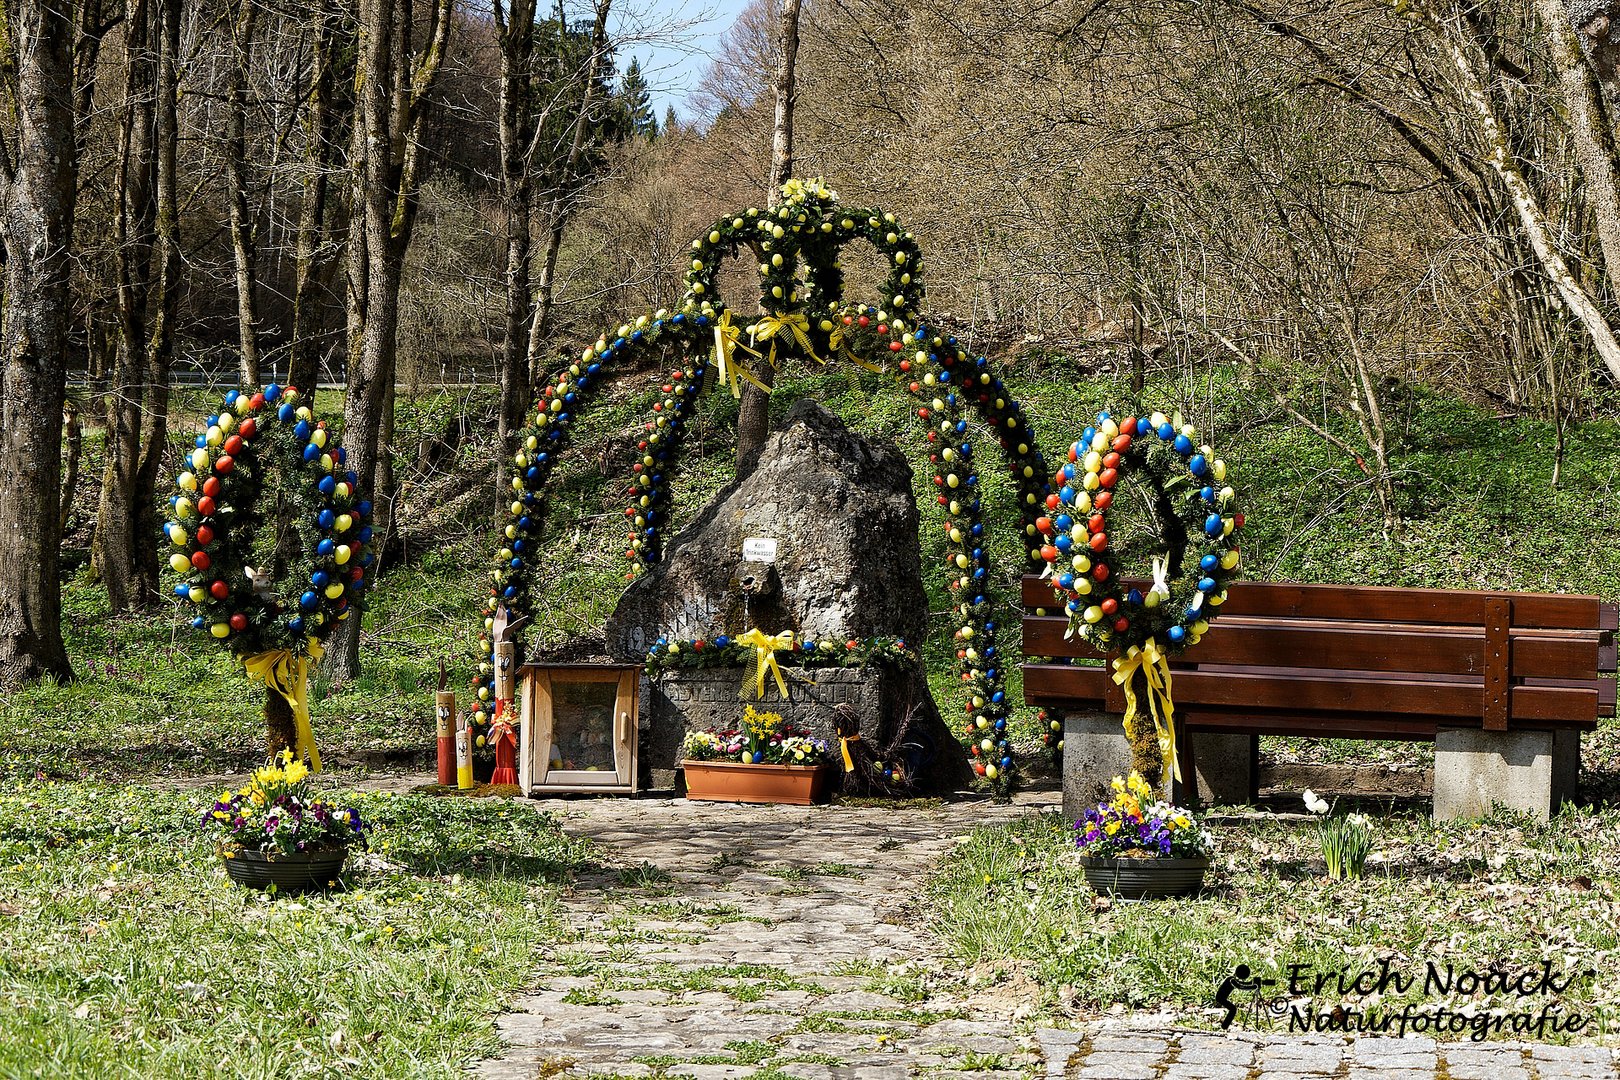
(842, 514)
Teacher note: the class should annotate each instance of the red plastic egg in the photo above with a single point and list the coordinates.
(224, 465)
(1104, 500)
(219, 590)
(239, 622)
(205, 506)
(1122, 444)
(211, 486)
(1099, 542)
(1107, 477)
(200, 560)
(233, 445)
(248, 428)
(205, 535)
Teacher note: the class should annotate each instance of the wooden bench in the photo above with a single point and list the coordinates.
(1502, 683)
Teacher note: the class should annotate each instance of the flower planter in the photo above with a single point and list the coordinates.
(1137, 879)
(301, 871)
(733, 781)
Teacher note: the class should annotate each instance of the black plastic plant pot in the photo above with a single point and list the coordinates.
(301, 871)
(1139, 879)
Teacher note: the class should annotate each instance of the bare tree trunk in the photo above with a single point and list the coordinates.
(134, 224)
(1133, 292)
(1532, 217)
(315, 254)
(242, 239)
(395, 85)
(38, 180)
(73, 423)
(560, 207)
(754, 412)
(516, 33)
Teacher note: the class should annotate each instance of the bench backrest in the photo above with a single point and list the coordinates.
(1496, 657)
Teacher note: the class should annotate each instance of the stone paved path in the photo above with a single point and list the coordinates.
(1131, 1052)
(787, 942)
(745, 938)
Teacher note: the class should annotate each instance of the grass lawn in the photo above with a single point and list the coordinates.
(124, 951)
(1502, 895)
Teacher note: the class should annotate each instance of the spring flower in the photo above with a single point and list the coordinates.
(1315, 803)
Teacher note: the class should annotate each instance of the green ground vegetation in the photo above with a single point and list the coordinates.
(1502, 895)
(124, 950)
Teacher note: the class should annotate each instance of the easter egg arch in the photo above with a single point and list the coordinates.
(216, 512)
(805, 317)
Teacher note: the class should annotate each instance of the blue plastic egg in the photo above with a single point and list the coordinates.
(1177, 633)
(1182, 444)
(1212, 525)
(1208, 563)
(1197, 465)
(272, 392)
(326, 519)
(308, 601)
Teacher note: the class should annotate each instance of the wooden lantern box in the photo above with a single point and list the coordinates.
(578, 727)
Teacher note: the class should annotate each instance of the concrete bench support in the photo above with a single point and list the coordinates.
(1529, 771)
(1095, 751)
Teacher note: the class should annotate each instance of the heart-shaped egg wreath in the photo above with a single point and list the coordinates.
(1197, 522)
(215, 513)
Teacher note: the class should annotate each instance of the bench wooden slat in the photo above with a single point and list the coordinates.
(1609, 617)
(1530, 706)
(1312, 725)
(1551, 611)
(1363, 646)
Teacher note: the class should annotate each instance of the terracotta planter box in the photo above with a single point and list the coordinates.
(733, 781)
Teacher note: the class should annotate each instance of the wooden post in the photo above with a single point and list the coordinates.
(464, 775)
(444, 708)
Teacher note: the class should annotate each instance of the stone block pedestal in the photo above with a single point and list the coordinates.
(1534, 772)
(1095, 751)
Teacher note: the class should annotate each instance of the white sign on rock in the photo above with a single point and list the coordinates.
(759, 549)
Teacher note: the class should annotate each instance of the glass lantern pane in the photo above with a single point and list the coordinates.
(582, 725)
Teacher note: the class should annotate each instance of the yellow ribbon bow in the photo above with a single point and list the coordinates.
(836, 346)
(727, 340)
(765, 647)
(1151, 660)
(794, 324)
(287, 674)
(843, 744)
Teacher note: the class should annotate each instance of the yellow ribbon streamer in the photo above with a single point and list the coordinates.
(287, 674)
(794, 324)
(727, 340)
(1152, 661)
(843, 744)
(765, 647)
